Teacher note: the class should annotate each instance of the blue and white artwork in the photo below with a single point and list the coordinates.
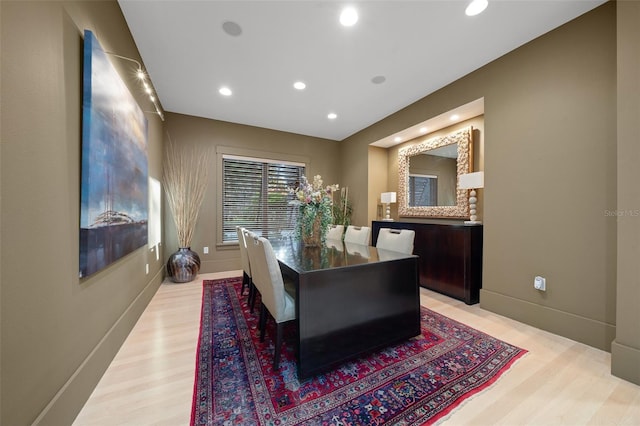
(114, 188)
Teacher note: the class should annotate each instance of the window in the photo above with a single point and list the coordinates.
(255, 195)
(423, 190)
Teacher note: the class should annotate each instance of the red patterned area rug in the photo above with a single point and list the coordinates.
(413, 383)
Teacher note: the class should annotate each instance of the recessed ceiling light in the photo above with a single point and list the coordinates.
(299, 85)
(423, 130)
(348, 17)
(397, 139)
(476, 7)
(231, 28)
(378, 79)
(225, 91)
(332, 116)
(454, 117)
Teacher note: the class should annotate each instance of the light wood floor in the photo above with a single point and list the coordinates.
(559, 382)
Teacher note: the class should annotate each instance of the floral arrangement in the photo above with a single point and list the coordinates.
(316, 205)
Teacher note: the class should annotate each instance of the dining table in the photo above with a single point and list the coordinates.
(351, 299)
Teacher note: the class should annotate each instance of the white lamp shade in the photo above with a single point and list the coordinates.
(471, 180)
(388, 197)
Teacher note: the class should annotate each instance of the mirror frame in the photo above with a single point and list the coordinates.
(463, 139)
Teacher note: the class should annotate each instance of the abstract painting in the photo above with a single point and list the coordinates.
(114, 186)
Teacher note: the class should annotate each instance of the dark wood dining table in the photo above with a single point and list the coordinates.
(350, 300)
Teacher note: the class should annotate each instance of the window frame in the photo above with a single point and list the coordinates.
(432, 183)
(248, 155)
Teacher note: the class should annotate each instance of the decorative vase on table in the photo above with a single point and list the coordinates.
(183, 266)
(311, 231)
(315, 202)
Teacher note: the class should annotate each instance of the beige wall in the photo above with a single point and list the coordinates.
(550, 178)
(378, 183)
(320, 155)
(625, 350)
(550, 127)
(59, 333)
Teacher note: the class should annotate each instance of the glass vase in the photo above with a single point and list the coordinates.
(312, 237)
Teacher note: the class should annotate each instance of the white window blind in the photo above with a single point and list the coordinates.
(256, 196)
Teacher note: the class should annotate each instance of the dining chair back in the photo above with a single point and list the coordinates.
(335, 232)
(400, 240)
(357, 234)
(268, 279)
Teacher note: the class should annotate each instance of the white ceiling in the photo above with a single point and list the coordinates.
(418, 46)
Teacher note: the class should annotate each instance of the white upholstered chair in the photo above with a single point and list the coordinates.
(400, 240)
(268, 279)
(335, 232)
(357, 235)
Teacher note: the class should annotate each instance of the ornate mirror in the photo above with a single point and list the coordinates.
(429, 173)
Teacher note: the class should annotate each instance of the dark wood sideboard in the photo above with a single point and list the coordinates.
(450, 257)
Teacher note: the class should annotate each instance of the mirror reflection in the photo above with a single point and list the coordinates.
(433, 177)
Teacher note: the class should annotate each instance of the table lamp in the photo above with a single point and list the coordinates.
(472, 181)
(388, 198)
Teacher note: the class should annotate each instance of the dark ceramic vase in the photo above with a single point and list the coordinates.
(183, 265)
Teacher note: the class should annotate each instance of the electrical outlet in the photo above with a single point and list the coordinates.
(540, 283)
(205, 250)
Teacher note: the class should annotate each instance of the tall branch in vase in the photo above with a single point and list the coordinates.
(185, 175)
(342, 210)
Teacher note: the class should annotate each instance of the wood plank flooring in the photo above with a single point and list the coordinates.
(559, 382)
